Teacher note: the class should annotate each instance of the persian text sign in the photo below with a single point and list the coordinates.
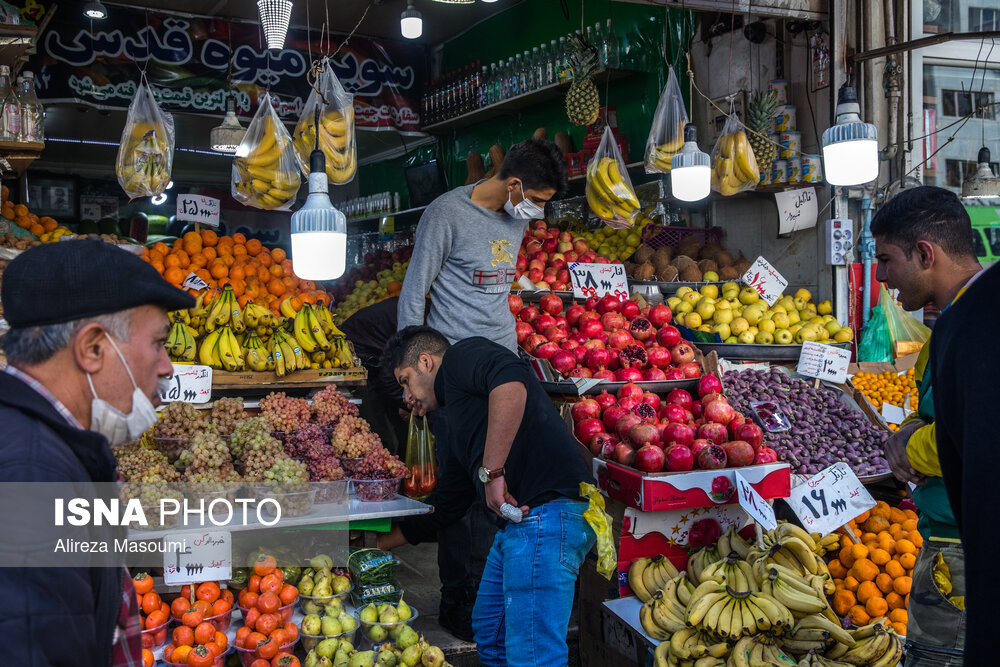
(766, 280)
(192, 384)
(598, 280)
(829, 499)
(207, 557)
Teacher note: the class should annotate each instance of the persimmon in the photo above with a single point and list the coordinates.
(147, 658)
(180, 654)
(200, 656)
(268, 648)
(192, 617)
(204, 633)
(143, 583)
(208, 591)
(285, 660)
(150, 602)
(288, 594)
(250, 618)
(271, 583)
(242, 634)
(183, 636)
(156, 619)
(267, 623)
(268, 602)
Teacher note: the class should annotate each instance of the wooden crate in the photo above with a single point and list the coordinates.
(311, 377)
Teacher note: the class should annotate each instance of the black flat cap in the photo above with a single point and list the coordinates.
(70, 280)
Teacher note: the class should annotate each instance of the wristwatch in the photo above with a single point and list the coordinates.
(486, 476)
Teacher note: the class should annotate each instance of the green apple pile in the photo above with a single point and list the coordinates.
(739, 315)
(617, 244)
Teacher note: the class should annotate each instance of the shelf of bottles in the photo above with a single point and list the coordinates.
(22, 125)
(478, 92)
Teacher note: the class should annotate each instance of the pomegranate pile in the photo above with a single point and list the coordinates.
(678, 433)
(546, 253)
(606, 338)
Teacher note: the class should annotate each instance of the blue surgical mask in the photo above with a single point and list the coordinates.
(526, 210)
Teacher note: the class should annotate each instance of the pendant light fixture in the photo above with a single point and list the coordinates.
(411, 24)
(984, 183)
(226, 138)
(274, 17)
(319, 231)
(850, 148)
(95, 10)
(690, 170)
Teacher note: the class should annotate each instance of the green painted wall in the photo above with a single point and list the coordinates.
(641, 28)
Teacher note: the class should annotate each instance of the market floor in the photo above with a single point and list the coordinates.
(418, 568)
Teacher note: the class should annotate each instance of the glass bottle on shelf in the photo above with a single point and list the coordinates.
(484, 87)
(564, 67)
(551, 64)
(515, 76)
(537, 69)
(494, 84)
(10, 117)
(589, 36)
(611, 53)
(527, 73)
(598, 44)
(505, 79)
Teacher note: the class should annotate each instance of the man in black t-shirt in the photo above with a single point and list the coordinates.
(508, 445)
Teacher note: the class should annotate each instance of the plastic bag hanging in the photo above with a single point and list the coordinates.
(146, 152)
(907, 333)
(420, 460)
(734, 167)
(666, 135)
(265, 173)
(609, 190)
(336, 128)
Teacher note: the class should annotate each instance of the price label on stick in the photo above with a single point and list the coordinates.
(754, 504)
(824, 362)
(766, 280)
(194, 282)
(829, 499)
(893, 414)
(191, 384)
(598, 280)
(196, 208)
(206, 556)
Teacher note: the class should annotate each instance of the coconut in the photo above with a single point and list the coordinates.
(691, 274)
(630, 268)
(710, 250)
(729, 273)
(667, 274)
(688, 246)
(642, 254)
(683, 261)
(707, 265)
(723, 258)
(742, 264)
(644, 271)
(664, 254)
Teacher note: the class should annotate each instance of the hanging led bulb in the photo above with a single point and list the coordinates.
(95, 10)
(274, 17)
(319, 231)
(411, 25)
(850, 148)
(690, 170)
(984, 183)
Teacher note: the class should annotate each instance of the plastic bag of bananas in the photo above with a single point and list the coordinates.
(336, 128)
(265, 171)
(734, 167)
(666, 135)
(146, 151)
(609, 190)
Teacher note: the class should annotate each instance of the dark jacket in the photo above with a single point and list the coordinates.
(54, 616)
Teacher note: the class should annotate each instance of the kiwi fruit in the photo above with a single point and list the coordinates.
(707, 265)
(724, 258)
(642, 254)
(690, 274)
(729, 273)
(668, 274)
(644, 271)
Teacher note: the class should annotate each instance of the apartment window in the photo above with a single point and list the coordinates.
(959, 171)
(983, 18)
(962, 103)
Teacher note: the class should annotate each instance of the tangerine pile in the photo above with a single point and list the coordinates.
(899, 389)
(24, 218)
(873, 579)
(256, 273)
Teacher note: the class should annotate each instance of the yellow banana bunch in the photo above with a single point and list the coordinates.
(144, 157)
(220, 349)
(659, 156)
(261, 178)
(225, 311)
(180, 343)
(610, 197)
(336, 140)
(734, 167)
(343, 356)
(286, 309)
(308, 332)
(259, 319)
(257, 356)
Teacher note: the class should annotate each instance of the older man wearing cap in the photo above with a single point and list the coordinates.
(85, 353)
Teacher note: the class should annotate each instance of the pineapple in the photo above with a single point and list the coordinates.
(760, 120)
(582, 101)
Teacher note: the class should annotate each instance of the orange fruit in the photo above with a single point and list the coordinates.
(21, 210)
(174, 275)
(218, 269)
(851, 584)
(859, 551)
(876, 607)
(278, 255)
(907, 561)
(837, 570)
(237, 273)
(36, 229)
(895, 601)
(884, 582)
(864, 570)
(209, 237)
(905, 547)
(880, 556)
(276, 287)
(866, 591)
(894, 569)
(842, 602)
(901, 585)
(899, 616)
(858, 615)
(239, 239)
(254, 247)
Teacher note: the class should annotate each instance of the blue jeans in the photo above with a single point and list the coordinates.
(531, 572)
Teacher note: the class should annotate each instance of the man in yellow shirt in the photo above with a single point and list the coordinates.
(923, 243)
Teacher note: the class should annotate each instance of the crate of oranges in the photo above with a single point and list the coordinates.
(873, 578)
(892, 387)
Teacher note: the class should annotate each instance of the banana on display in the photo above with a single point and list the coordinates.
(220, 350)
(734, 167)
(609, 190)
(180, 343)
(224, 310)
(336, 140)
(265, 172)
(659, 156)
(146, 152)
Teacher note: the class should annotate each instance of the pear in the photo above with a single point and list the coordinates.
(382, 607)
(407, 637)
(327, 648)
(311, 659)
(310, 607)
(331, 626)
(321, 561)
(341, 659)
(322, 589)
(347, 622)
(361, 659)
(311, 625)
(369, 614)
(325, 662)
(346, 646)
(386, 658)
(411, 656)
(404, 611)
(377, 633)
(341, 584)
(306, 584)
(334, 606)
(432, 657)
(395, 630)
(388, 615)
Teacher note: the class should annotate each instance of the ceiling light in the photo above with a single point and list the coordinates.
(983, 183)
(459, 2)
(159, 199)
(850, 148)
(226, 138)
(690, 170)
(319, 231)
(490, 1)
(95, 10)
(411, 25)
(274, 17)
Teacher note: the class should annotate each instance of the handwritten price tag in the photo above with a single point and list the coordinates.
(824, 362)
(206, 557)
(766, 280)
(191, 384)
(754, 504)
(893, 414)
(196, 208)
(598, 280)
(796, 209)
(829, 499)
(194, 282)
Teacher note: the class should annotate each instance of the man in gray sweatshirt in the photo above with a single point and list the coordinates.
(464, 259)
(467, 243)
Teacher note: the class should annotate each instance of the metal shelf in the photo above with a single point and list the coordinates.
(397, 214)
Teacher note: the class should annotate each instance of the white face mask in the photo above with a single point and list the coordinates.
(526, 210)
(114, 424)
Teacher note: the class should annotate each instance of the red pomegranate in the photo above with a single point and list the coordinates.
(625, 424)
(598, 442)
(708, 384)
(649, 458)
(605, 374)
(580, 352)
(523, 330)
(612, 321)
(698, 445)
(651, 399)
(624, 453)
(674, 373)
(597, 359)
(697, 410)
(679, 434)
(680, 397)
(765, 455)
(660, 315)
(611, 415)
(533, 341)
(712, 457)
(573, 314)
(551, 304)
(738, 420)
(580, 372)
(591, 328)
(713, 432)
(630, 309)
(629, 402)
(563, 361)
(620, 339)
(751, 433)
(591, 303)
(679, 458)
(608, 304)
(691, 369)
(543, 322)
(673, 412)
(645, 411)
(641, 329)
(555, 334)
(668, 336)
(658, 356)
(719, 411)
(614, 359)
(739, 453)
(593, 344)
(605, 400)
(546, 350)
(644, 434)
(681, 354)
(654, 374)
(630, 389)
(587, 429)
(528, 314)
(633, 356)
(515, 303)
(628, 375)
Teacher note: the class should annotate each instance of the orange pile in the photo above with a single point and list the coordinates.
(889, 387)
(24, 218)
(873, 579)
(255, 272)
(266, 602)
(200, 639)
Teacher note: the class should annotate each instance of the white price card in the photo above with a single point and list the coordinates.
(766, 280)
(598, 280)
(829, 499)
(189, 383)
(194, 282)
(204, 556)
(893, 414)
(196, 208)
(824, 362)
(796, 209)
(754, 504)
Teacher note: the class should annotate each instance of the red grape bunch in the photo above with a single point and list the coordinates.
(325, 470)
(227, 413)
(380, 464)
(283, 413)
(353, 438)
(308, 442)
(329, 406)
(179, 420)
